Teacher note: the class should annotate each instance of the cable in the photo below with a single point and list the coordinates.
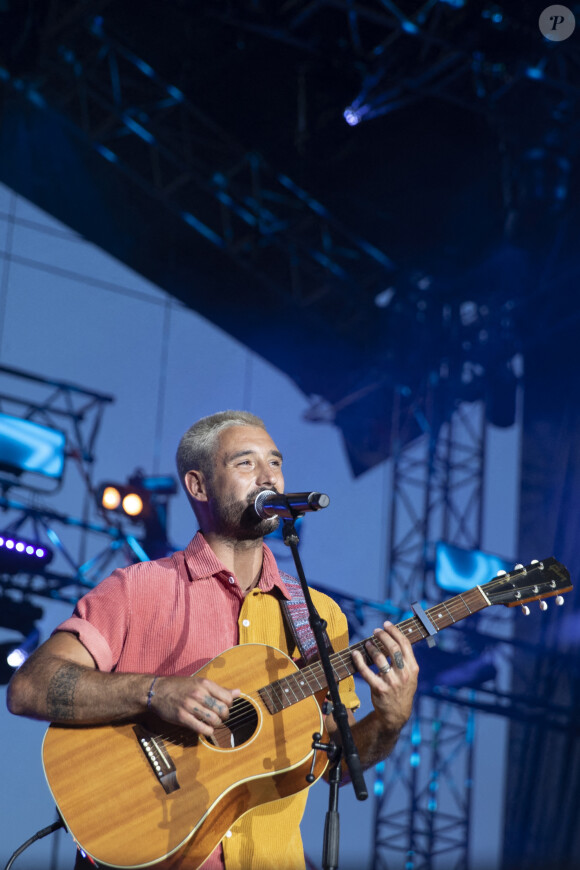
(38, 836)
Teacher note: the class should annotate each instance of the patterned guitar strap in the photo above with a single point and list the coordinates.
(296, 616)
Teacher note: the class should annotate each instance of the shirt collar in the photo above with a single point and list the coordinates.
(202, 562)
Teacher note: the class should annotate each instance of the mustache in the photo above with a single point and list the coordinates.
(252, 496)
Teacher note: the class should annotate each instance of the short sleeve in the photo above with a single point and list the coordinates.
(100, 620)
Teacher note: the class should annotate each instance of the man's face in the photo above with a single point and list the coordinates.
(246, 462)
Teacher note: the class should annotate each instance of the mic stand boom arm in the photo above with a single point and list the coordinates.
(348, 748)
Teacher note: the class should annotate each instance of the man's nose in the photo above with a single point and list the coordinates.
(268, 474)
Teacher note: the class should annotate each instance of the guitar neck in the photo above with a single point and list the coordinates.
(311, 679)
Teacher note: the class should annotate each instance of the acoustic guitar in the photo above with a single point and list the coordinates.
(145, 792)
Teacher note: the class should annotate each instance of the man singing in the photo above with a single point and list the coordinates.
(134, 641)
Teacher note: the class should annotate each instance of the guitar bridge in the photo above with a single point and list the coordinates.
(158, 757)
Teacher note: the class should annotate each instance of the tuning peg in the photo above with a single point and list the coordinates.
(525, 610)
(543, 605)
(518, 567)
(559, 600)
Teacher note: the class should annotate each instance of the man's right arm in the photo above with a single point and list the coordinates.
(60, 683)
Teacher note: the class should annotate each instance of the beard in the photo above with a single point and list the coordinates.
(238, 520)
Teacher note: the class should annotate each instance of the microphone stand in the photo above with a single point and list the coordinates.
(348, 749)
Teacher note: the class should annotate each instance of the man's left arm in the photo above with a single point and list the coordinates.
(392, 688)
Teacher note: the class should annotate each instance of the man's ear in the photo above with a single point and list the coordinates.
(195, 485)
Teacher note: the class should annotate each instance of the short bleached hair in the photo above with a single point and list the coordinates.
(197, 447)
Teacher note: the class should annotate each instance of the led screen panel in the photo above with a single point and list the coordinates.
(28, 446)
(458, 570)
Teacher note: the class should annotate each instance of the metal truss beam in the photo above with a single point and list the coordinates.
(424, 792)
(473, 57)
(110, 545)
(77, 412)
(152, 132)
(60, 404)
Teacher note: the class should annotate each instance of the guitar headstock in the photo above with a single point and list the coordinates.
(534, 582)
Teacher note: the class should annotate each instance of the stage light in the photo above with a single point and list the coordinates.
(19, 616)
(139, 497)
(352, 116)
(20, 651)
(132, 504)
(26, 446)
(128, 499)
(384, 297)
(111, 498)
(458, 570)
(13, 654)
(21, 556)
(534, 72)
(144, 500)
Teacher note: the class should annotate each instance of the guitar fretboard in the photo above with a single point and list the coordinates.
(311, 679)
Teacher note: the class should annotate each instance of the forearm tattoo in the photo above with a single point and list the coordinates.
(60, 697)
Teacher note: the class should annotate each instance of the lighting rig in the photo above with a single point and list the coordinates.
(144, 500)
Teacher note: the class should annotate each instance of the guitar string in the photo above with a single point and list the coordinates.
(246, 715)
(299, 678)
(344, 657)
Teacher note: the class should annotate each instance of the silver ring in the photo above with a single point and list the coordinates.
(385, 669)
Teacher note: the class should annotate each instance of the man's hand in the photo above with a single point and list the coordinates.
(199, 704)
(60, 683)
(393, 687)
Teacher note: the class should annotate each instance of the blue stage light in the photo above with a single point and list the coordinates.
(19, 616)
(352, 116)
(26, 446)
(21, 556)
(458, 570)
(534, 72)
(20, 651)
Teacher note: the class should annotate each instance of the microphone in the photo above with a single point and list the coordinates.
(289, 505)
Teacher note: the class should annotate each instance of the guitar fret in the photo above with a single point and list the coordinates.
(449, 612)
(278, 697)
(300, 685)
(318, 675)
(415, 629)
(289, 686)
(265, 694)
(465, 603)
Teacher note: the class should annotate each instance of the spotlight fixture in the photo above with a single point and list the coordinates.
(144, 500)
(21, 556)
(352, 116)
(21, 650)
(130, 500)
(18, 616)
(139, 497)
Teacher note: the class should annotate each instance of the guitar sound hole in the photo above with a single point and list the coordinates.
(239, 727)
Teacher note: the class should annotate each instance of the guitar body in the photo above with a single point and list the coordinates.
(136, 794)
(126, 812)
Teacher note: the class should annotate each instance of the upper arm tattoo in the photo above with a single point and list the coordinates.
(60, 696)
